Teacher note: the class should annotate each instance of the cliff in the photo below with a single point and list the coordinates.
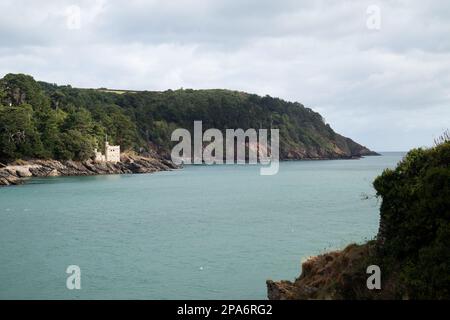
(321, 276)
(337, 275)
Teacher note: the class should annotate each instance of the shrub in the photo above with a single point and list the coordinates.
(415, 221)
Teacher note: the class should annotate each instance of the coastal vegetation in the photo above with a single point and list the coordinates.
(412, 245)
(414, 234)
(48, 121)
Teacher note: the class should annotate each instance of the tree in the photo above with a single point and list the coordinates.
(18, 134)
(77, 145)
(20, 88)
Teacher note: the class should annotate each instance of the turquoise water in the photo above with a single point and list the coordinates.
(203, 232)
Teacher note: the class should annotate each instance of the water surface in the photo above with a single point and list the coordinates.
(203, 232)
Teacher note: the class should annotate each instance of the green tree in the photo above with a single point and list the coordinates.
(18, 134)
(79, 119)
(20, 88)
(77, 145)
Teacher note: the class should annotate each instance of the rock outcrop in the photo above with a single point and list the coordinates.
(333, 275)
(17, 172)
(342, 148)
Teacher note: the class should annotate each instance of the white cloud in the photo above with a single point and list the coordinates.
(388, 89)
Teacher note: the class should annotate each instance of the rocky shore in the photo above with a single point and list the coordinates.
(18, 171)
(345, 150)
(330, 276)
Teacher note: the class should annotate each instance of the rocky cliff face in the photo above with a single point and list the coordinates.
(339, 275)
(17, 172)
(318, 153)
(333, 275)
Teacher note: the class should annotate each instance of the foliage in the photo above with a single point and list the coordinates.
(136, 120)
(415, 220)
(18, 134)
(41, 120)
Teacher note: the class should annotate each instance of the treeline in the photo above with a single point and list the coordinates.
(42, 120)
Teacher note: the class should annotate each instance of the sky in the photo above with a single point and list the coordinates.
(377, 71)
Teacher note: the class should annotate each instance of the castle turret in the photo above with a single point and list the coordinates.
(112, 153)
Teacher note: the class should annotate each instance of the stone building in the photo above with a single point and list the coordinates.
(112, 154)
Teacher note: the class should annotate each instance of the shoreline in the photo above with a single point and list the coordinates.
(20, 171)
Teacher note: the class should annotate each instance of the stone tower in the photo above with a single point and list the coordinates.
(112, 153)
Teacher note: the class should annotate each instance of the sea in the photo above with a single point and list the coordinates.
(200, 232)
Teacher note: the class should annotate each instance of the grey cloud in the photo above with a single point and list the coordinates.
(388, 89)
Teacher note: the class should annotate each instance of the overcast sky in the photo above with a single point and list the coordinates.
(383, 82)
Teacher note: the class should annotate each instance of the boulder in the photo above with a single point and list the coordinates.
(23, 172)
(53, 173)
(39, 171)
(3, 182)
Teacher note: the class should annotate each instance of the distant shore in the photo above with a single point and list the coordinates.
(17, 172)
